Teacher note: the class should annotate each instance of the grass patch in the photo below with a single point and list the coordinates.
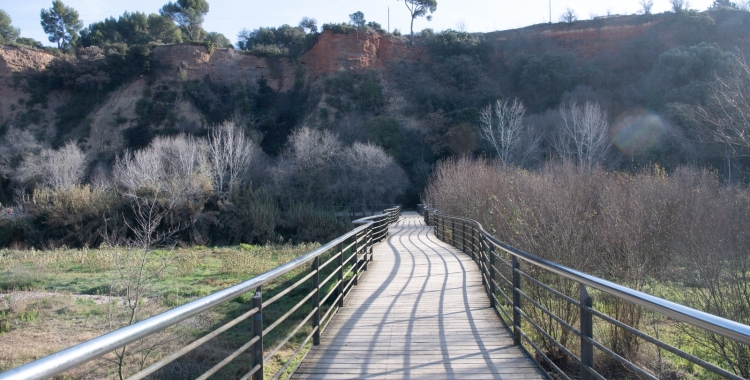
(55, 299)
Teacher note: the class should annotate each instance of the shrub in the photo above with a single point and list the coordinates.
(285, 40)
(74, 216)
(342, 28)
(453, 43)
(630, 229)
(358, 90)
(248, 216)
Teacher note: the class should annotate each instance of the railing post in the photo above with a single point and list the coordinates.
(463, 236)
(482, 261)
(441, 222)
(587, 330)
(258, 332)
(341, 272)
(453, 232)
(316, 300)
(473, 244)
(355, 264)
(491, 269)
(516, 302)
(369, 246)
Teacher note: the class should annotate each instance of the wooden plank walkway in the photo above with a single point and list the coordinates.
(420, 312)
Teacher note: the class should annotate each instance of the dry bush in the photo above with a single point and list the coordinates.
(73, 215)
(686, 227)
(58, 169)
(368, 176)
(317, 168)
(174, 174)
(17, 144)
(178, 168)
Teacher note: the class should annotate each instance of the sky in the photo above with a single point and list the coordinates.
(231, 16)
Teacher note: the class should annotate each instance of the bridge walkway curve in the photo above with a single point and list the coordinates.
(420, 312)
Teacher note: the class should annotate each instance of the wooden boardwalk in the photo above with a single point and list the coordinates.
(420, 312)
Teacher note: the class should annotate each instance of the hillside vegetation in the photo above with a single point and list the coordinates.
(339, 119)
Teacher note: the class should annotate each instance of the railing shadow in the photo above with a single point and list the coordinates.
(421, 271)
(520, 287)
(305, 293)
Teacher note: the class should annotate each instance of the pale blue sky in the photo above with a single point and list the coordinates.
(229, 17)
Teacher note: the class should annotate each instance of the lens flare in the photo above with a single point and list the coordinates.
(637, 131)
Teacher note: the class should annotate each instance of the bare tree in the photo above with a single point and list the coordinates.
(679, 6)
(726, 116)
(501, 126)
(67, 166)
(316, 167)
(307, 164)
(177, 169)
(584, 134)
(58, 169)
(16, 144)
(646, 6)
(368, 176)
(231, 154)
(569, 16)
(136, 270)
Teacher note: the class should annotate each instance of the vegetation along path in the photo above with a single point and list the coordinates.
(420, 313)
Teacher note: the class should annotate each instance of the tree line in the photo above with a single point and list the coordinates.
(219, 189)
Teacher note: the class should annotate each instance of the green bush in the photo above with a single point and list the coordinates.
(542, 80)
(342, 28)
(361, 89)
(385, 132)
(282, 41)
(453, 43)
(249, 216)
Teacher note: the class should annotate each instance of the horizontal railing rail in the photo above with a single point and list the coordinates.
(511, 304)
(350, 254)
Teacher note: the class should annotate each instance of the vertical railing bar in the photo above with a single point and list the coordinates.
(516, 302)
(258, 333)
(491, 255)
(587, 330)
(463, 236)
(453, 232)
(316, 300)
(341, 273)
(473, 247)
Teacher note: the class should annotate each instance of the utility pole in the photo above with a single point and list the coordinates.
(550, 11)
(389, 20)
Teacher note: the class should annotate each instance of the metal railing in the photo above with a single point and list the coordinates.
(349, 257)
(510, 297)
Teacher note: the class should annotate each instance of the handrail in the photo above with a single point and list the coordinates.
(480, 245)
(375, 229)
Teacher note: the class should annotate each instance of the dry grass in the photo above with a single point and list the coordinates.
(51, 300)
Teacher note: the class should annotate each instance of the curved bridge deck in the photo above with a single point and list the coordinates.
(420, 312)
